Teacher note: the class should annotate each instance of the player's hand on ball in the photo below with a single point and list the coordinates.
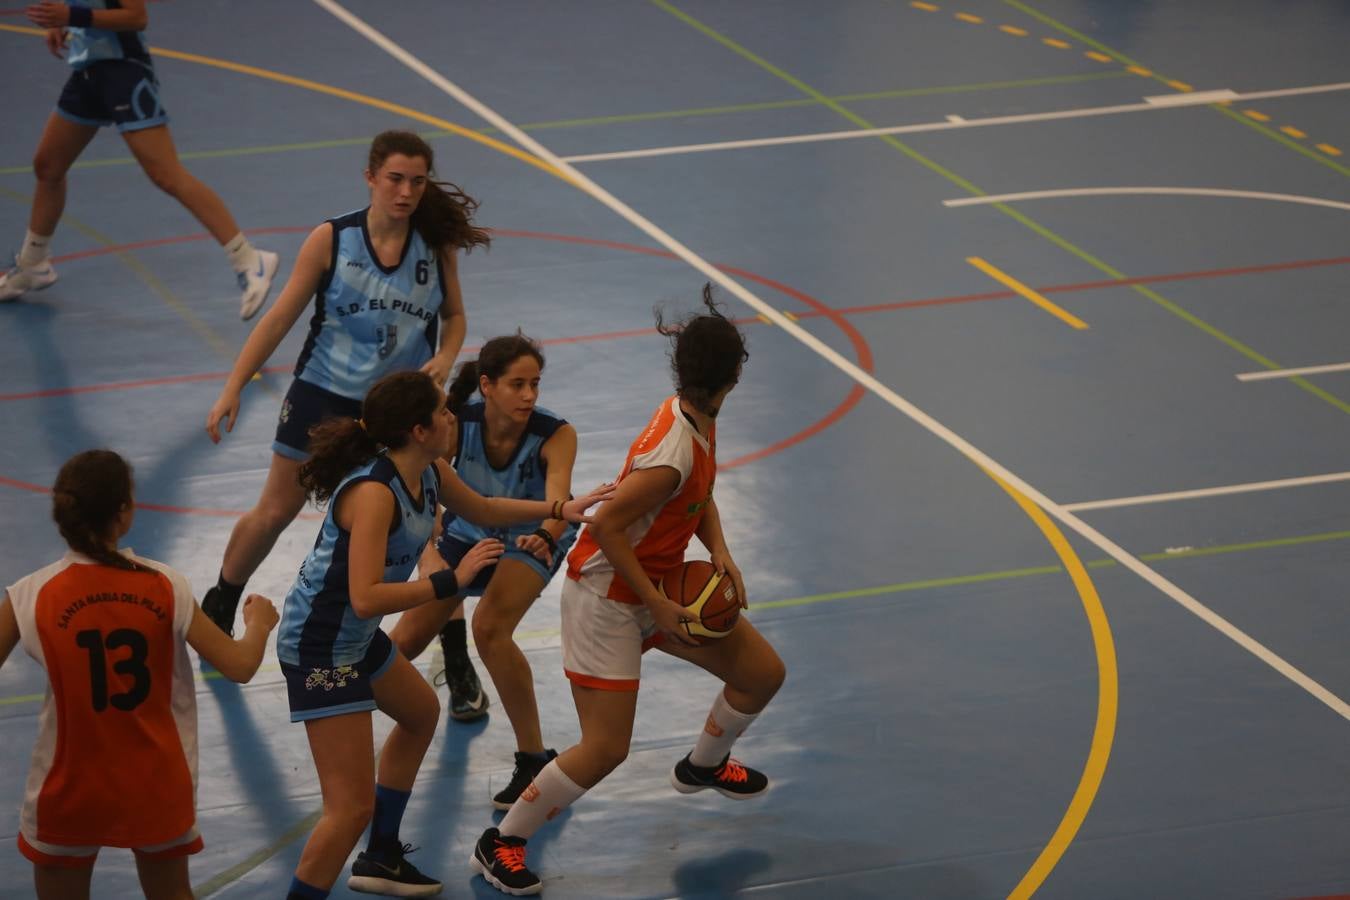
(670, 618)
(724, 565)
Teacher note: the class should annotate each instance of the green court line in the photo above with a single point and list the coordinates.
(1121, 57)
(1017, 216)
(242, 868)
(924, 584)
(611, 120)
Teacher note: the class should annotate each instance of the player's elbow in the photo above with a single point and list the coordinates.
(363, 602)
(241, 668)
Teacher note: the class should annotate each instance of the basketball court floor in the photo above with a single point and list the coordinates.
(1030, 486)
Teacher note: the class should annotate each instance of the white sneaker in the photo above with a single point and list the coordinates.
(256, 283)
(21, 279)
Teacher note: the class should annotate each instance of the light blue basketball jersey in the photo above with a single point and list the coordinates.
(368, 320)
(86, 46)
(522, 478)
(318, 626)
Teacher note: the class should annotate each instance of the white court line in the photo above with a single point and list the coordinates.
(1128, 191)
(1149, 105)
(1218, 622)
(1249, 487)
(1193, 98)
(1291, 373)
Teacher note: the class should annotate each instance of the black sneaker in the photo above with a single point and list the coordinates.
(219, 610)
(729, 778)
(468, 702)
(527, 766)
(501, 860)
(401, 879)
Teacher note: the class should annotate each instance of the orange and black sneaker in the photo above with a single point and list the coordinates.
(501, 860)
(729, 778)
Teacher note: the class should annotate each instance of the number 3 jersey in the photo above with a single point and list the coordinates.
(115, 762)
(369, 319)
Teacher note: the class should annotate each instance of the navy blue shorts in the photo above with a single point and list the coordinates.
(304, 407)
(113, 92)
(452, 550)
(316, 693)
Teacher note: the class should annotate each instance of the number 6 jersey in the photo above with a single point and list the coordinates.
(116, 757)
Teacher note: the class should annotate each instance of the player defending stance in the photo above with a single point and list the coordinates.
(507, 446)
(383, 477)
(116, 758)
(612, 609)
(114, 83)
(384, 282)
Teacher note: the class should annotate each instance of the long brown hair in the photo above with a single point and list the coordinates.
(494, 359)
(395, 405)
(443, 215)
(91, 491)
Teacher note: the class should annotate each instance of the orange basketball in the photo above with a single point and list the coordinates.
(698, 587)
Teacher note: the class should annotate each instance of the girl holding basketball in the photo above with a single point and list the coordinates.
(613, 610)
(382, 477)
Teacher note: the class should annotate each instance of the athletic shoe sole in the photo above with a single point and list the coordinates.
(491, 879)
(367, 884)
(683, 788)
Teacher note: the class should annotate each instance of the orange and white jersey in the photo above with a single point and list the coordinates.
(662, 535)
(116, 757)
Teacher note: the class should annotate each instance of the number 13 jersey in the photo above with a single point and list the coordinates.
(115, 762)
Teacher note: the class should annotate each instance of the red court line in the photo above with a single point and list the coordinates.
(851, 400)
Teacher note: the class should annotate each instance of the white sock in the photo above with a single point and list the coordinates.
(549, 794)
(724, 725)
(243, 256)
(34, 250)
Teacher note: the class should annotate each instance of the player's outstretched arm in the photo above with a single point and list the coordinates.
(493, 512)
(310, 266)
(236, 660)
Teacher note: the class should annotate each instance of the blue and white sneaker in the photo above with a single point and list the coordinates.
(22, 279)
(255, 283)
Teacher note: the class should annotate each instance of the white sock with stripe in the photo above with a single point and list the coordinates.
(549, 794)
(724, 725)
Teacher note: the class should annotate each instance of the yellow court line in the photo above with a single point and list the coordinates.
(1108, 699)
(1013, 284)
(1056, 43)
(1013, 30)
(967, 17)
(365, 99)
(1329, 149)
(1099, 57)
(1293, 132)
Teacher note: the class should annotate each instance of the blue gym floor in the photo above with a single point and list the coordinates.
(983, 700)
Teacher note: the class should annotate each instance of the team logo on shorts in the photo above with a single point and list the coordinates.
(285, 410)
(327, 679)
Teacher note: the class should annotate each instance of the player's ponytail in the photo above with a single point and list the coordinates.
(392, 409)
(495, 357)
(706, 353)
(91, 491)
(464, 386)
(444, 214)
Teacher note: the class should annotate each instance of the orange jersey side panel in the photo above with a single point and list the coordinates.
(118, 776)
(660, 539)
